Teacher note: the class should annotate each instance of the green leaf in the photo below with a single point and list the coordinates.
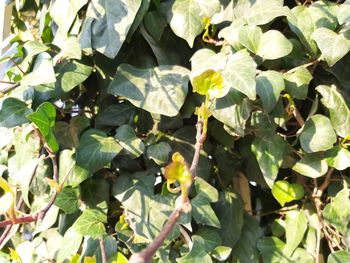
(126, 137)
(91, 223)
(232, 112)
(311, 165)
(70, 245)
(240, 73)
(333, 46)
(202, 56)
(229, 210)
(71, 74)
(95, 193)
(250, 37)
(44, 118)
(159, 90)
(73, 173)
(274, 45)
(70, 49)
(296, 225)
(68, 134)
(305, 20)
(68, 200)
(34, 48)
(107, 24)
(155, 24)
(297, 83)
(338, 109)
(344, 12)
(269, 85)
(317, 134)
(63, 13)
(269, 45)
(271, 249)
(96, 150)
(159, 152)
(246, 247)
(263, 12)
(202, 212)
(115, 115)
(221, 253)
(210, 236)
(269, 155)
(285, 192)
(120, 258)
(13, 112)
(210, 83)
(197, 253)
(42, 73)
(187, 17)
(338, 157)
(337, 212)
(338, 257)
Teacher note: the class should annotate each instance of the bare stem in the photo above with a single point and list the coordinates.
(182, 204)
(103, 250)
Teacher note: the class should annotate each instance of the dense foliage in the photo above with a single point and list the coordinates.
(99, 94)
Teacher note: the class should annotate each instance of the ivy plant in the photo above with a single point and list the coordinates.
(175, 131)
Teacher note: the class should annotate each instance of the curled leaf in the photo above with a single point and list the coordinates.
(178, 171)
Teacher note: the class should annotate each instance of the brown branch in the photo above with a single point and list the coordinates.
(182, 205)
(316, 198)
(314, 62)
(7, 82)
(14, 62)
(103, 250)
(9, 88)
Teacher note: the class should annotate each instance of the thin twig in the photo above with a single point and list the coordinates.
(14, 62)
(7, 82)
(9, 88)
(182, 204)
(103, 250)
(314, 62)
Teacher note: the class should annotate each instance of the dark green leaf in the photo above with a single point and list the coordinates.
(13, 112)
(246, 247)
(269, 155)
(159, 152)
(96, 150)
(229, 210)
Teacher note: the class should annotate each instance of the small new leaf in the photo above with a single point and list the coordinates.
(211, 83)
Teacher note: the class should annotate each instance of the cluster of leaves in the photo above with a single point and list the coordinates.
(111, 87)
